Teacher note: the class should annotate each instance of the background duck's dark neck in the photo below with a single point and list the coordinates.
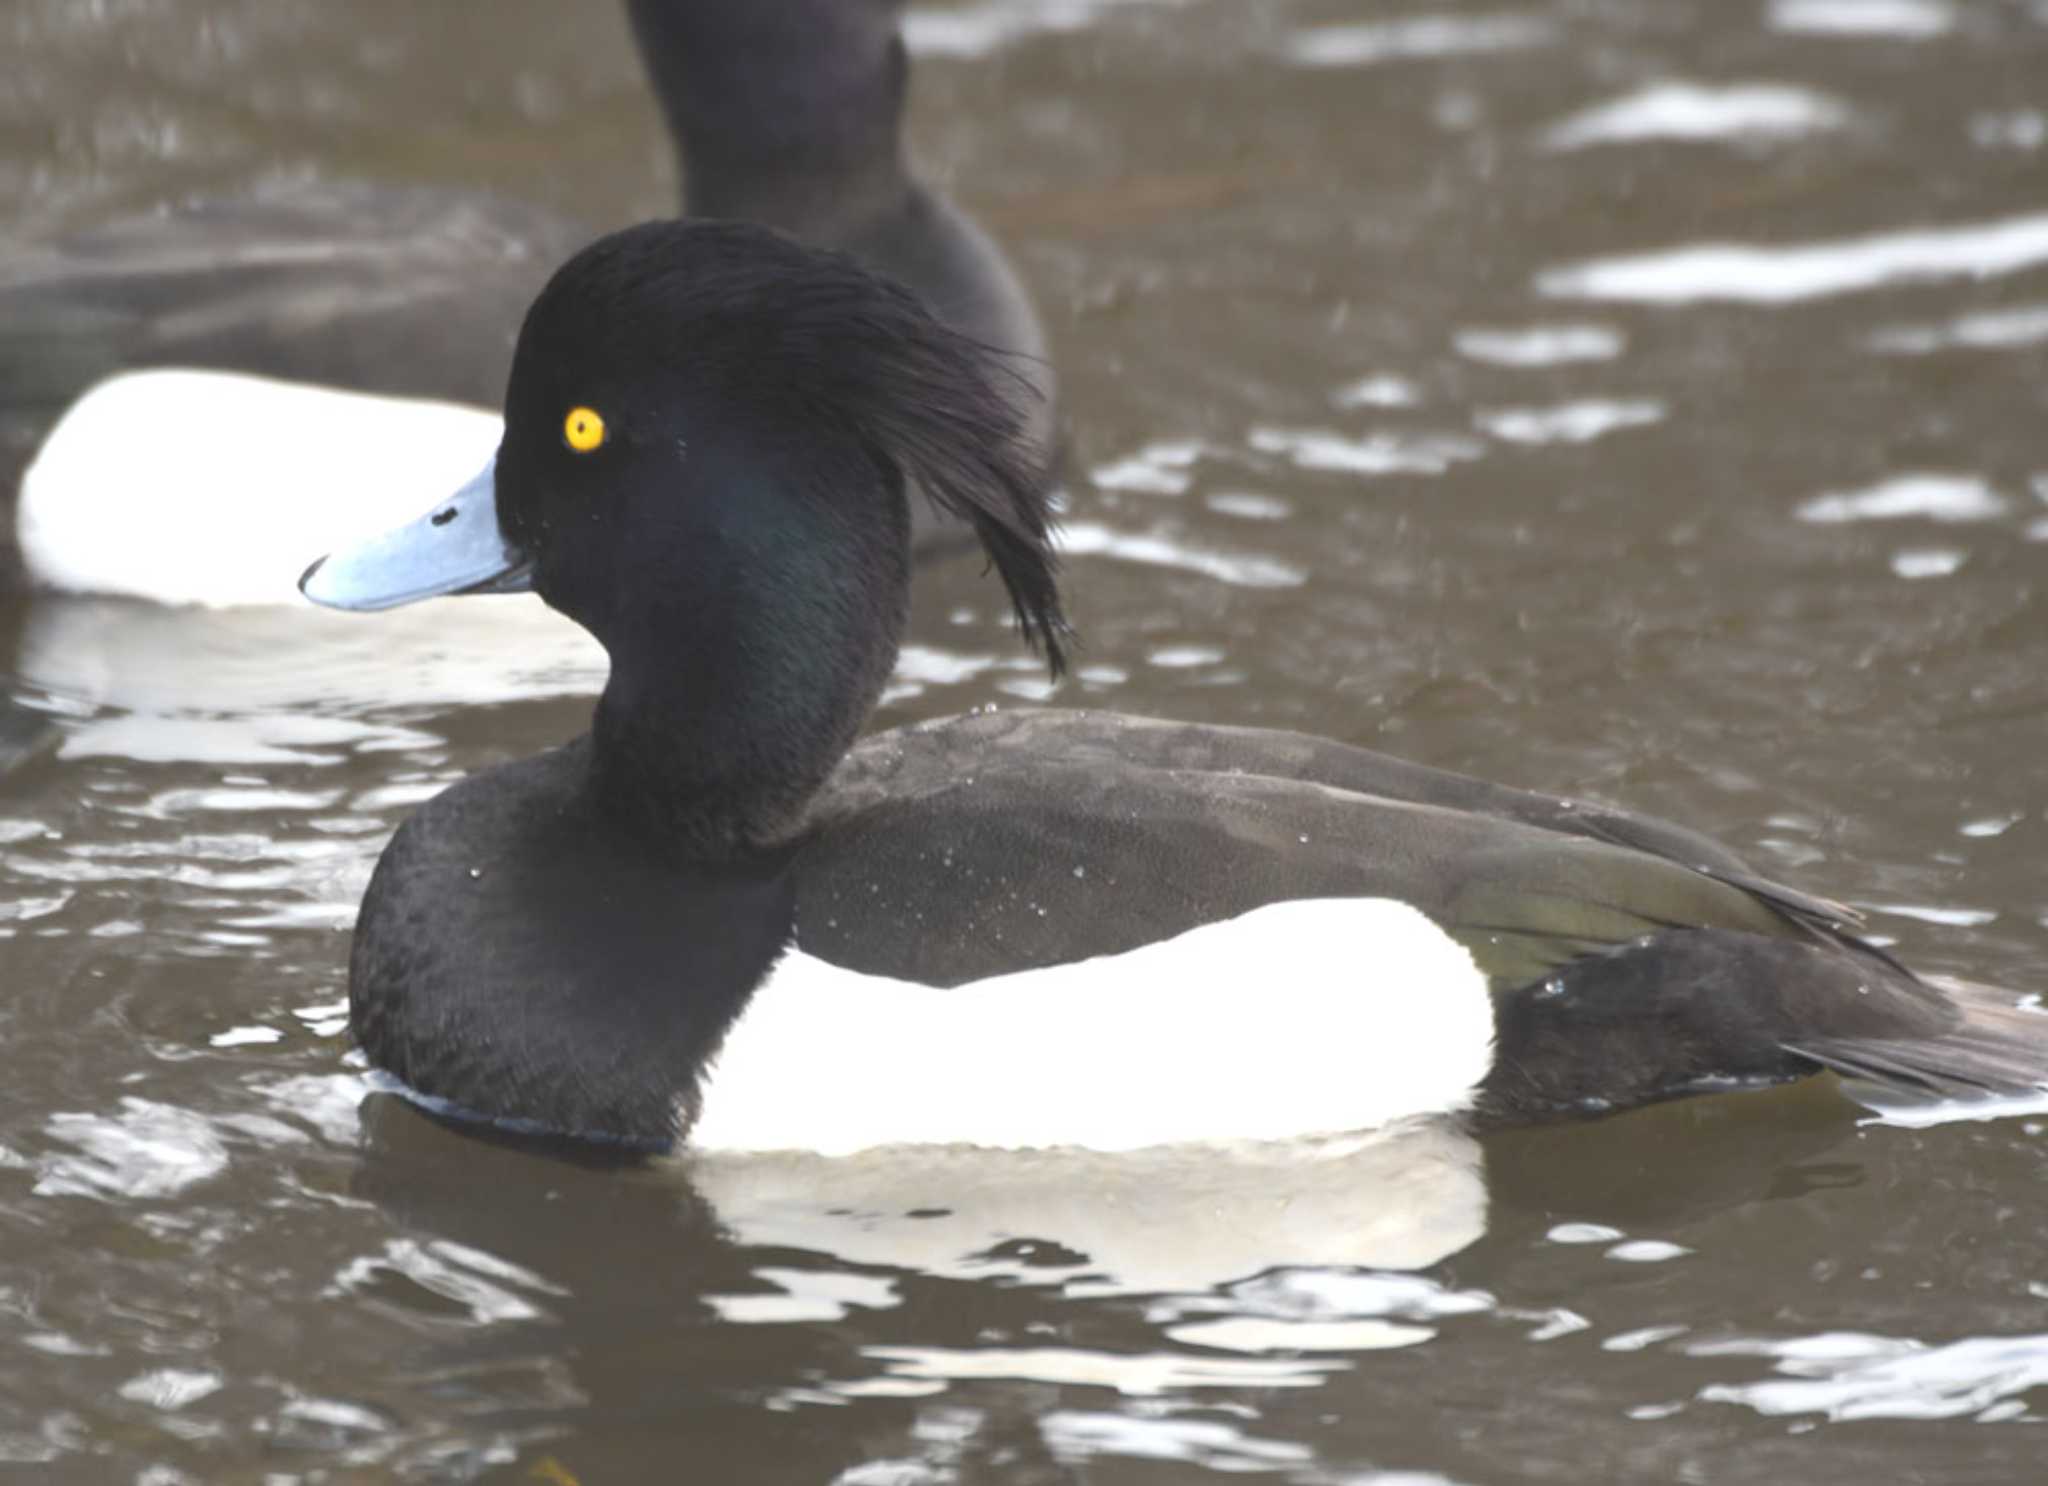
(787, 112)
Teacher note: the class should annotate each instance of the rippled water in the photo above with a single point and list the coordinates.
(1635, 400)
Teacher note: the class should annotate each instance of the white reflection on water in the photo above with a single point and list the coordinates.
(148, 1150)
(1379, 390)
(1075, 1436)
(1749, 274)
(1926, 497)
(1912, 20)
(1647, 1251)
(1693, 111)
(920, 667)
(1368, 454)
(1258, 1334)
(1160, 468)
(979, 29)
(236, 883)
(1985, 330)
(1568, 423)
(1159, 549)
(1848, 1375)
(2021, 129)
(251, 738)
(233, 686)
(1247, 505)
(486, 1286)
(1930, 913)
(1416, 36)
(328, 1102)
(245, 1037)
(1928, 562)
(171, 1388)
(1134, 1375)
(1318, 1310)
(1991, 825)
(181, 664)
(805, 1295)
(1540, 345)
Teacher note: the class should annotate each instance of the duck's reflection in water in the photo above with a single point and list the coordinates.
(1165, 1219)
(585, 1292)
(242, 666)
(945, 1310)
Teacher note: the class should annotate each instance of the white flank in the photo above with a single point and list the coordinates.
(198, 487)
(1304, 1018)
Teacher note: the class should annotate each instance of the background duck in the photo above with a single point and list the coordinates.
(788, 114)
(678, 924)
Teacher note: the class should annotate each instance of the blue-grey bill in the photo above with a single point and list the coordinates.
(454, 548)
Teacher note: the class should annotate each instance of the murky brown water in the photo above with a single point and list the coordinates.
(1383, 445)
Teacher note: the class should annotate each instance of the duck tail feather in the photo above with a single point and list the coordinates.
(1997, 1048)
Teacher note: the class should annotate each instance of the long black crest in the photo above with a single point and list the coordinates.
(817, 334)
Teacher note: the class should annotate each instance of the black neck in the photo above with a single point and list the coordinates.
(787, 112)
(710, 746)
(700, 782)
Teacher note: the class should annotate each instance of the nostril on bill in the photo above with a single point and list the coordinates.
(442, 518)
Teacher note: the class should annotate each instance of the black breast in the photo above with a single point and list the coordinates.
(520, 956)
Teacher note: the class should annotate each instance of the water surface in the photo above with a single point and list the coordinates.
(1638, 401)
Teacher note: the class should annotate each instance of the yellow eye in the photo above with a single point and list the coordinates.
(583, 429)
